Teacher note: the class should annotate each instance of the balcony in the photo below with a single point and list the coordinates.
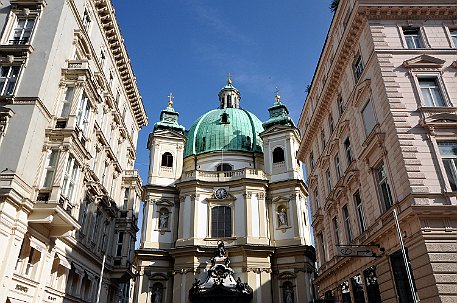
(122, 270)
(55, 215)
(223, 176)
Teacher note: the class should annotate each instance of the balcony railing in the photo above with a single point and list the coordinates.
(218, 176)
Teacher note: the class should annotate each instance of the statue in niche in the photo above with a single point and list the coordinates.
(288, 292)
(282, 216)
(157, 294)
(163, 218)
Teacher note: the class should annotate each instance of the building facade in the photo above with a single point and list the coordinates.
(379, 134)
(232, 181)
(70, 112)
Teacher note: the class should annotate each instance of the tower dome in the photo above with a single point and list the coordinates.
(229, 128)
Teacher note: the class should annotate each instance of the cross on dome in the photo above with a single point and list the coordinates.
(170, 99)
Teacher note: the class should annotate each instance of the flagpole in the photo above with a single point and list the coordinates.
(101, 278)
(405, 260)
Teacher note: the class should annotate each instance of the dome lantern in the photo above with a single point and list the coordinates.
(229, 96)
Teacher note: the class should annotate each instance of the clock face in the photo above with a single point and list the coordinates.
(221, 193)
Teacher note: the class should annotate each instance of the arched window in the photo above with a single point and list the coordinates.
(164, 216)
(167, 159)
(278, 155)
(282, 216)
(221, 222)
(157, 293)
(224, 167)
(229, 101)
(288, 294)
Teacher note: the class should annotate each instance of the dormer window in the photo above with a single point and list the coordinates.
(224, 118)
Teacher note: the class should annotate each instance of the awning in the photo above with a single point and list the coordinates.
(63, 261)
(12, 300)
(37, 244)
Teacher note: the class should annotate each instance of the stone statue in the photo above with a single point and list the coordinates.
(163, 220)
(282, 217)
(157, 295)
(288, 294)
(220, 249)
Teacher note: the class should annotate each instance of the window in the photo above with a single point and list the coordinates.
(22, 31)
(448, 152)
(84, 212)
(288, 294)
(401, 278)
(224, 118)
(311, 162)
(412, 37)
(369, 120)
(66, 106)
(347, 148)
(96, 227)
(329, 181)
(8, 79)
(357, 288)
(322, 248)
(330, 123)
(229, 101)
(431, 91)
(358, 67)
(221, 222)
(105, 236)
(167, 159)
(359, 210)
(86, 20)
(316, 198)
(120, 242)
(347, 224)
(384, 187)
(278, 155)
(336, 230)
(126, 198)
(50, 168)
(70, 178)
(340, 105)
(323, 139)
(372, 286)
(337, 167)
(453, 32)
(224, 167)
(82, 115)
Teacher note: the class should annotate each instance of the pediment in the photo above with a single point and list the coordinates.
(424, 61)
(278, 128)
(280, 199)
(287, 275)
(164, 202)
(442, 120)
(362, 91)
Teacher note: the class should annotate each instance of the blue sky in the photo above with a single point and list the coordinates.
(188, 47)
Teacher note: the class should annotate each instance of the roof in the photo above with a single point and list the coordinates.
(230, 129)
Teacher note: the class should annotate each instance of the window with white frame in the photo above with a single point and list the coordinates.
(448, 152)
(336, 230)
(369, 120)
(383, 186)
(70, 178)
(221, 222)
(453, 32)
(329, 181)
(66, 101)
(413, 37)
(348, 150)
(82, 115)
(431, 91)
(22, 31)
(359, 210)
(337, 167)
(347, 224)
(8, 79)
(50, 167)
(357, 67)
(86, 20)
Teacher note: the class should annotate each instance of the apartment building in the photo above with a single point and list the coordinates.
(379, 134)
(70, 112)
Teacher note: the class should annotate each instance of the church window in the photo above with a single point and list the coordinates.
(224, 118)
(157, 293)
(282, 216)
(224, 167)
(221, 222)
(278, 155)
(288, 292)
(167, 159)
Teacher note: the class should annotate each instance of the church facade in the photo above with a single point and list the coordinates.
(231, 185)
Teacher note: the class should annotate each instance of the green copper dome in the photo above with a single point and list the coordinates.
(228, 129)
